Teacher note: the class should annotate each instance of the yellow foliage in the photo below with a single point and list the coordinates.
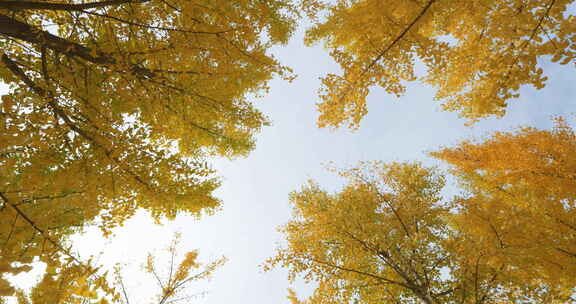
(522, 200)
(477, 53)
(388, 237)
(116, 106)
(176, 278)
(78, 284)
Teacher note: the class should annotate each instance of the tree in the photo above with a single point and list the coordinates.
(116, 105)
(76, 285)
(178, 278)
(476, 53)
(522, 199)
(388, 237)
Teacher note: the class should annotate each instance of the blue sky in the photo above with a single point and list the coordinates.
(255, 189)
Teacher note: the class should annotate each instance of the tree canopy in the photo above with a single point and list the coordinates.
(521, 199)
(478, 54)
(73, 284)
(116, 105)
(389, 237)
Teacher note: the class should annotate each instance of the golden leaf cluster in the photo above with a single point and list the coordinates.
(117, 106)
(389, 236)
(477, 54)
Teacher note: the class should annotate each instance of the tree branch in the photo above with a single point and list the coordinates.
(389, 47)
(31, 5)
(41, 231)
(379, 278)
(13, 67)
(399, 37)
(46, 40)
(20, 30)
(568, 253)
(162, 28)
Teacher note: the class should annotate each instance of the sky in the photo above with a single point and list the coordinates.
(293, 150)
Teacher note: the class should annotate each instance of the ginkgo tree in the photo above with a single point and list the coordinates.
(521, 199)
(478, 54)
(116, 105)
(74, 284)
(389, 237)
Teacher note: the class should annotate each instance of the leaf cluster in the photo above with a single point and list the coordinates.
(477, 54)
(389, 236)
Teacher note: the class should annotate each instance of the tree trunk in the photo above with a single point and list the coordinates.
(22, 31)
(30, 5)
